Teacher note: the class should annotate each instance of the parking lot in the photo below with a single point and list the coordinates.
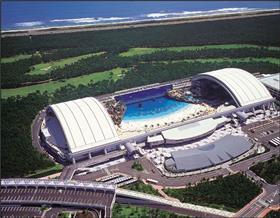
(263, 130)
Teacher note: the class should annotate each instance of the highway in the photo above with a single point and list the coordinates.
(38, 192)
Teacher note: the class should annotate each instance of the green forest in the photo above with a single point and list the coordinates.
(268, 170)
(230, 193)
(45, 69)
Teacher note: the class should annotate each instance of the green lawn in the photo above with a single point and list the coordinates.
(143, 51)
(142, 187)
(52, 86)
(44, 68)
(15, 58)
(98, 76)
(45, 172)
(127, 211)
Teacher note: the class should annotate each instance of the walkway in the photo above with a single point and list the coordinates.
(161, 200)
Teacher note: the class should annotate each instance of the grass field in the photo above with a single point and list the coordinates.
(98, 76)
(45, 172)
(127, 211)
(15, 58)
(44, 68)
(52, 86)
(144, 51)
(142, 187)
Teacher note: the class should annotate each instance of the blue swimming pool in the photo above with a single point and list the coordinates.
(152, 108)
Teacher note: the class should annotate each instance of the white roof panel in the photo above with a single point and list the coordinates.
(85, 123)
(246, 88)
(273, 81)
(193, 130)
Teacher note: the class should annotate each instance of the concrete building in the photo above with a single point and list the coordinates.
(209, 155)
(193, 131)
(243, 87)
(82, 128)
(78, 128)
(272, 83)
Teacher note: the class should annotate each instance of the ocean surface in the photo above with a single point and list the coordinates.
(18, 15)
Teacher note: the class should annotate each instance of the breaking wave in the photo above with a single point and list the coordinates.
(185, 13)
(89, 19)
(29, 24)
(161, 15)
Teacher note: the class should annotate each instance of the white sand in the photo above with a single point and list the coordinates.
(129, 128)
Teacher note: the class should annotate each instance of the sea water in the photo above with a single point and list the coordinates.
(31, 14)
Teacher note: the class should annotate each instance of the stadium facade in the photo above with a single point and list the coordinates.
(243, 87)
(78, 128)
(82, 128)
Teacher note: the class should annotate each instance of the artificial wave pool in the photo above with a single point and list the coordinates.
(152, 108)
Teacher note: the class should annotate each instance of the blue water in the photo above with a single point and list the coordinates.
(152, 108)
(32, 14)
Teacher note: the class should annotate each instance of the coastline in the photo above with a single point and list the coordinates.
(135, 24)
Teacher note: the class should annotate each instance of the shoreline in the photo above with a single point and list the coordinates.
(136, 24)
(132, 127)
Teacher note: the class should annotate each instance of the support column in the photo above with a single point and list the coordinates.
(273, 106)
(73, 160)
(89, 155)
(105, 151)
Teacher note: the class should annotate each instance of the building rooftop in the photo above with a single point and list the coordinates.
(272, 81)
(244, 88)
(209, 155)
(85, 123)
(193, 130)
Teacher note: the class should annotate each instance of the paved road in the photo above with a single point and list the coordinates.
(269, 197)
(190, 209)
(151, 172)
(69, 171)
(246, 164)
(35, 130)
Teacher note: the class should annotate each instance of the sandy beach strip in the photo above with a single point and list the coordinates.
(135, 24)
(131, 127)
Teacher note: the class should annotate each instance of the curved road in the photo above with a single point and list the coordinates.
(151, 172)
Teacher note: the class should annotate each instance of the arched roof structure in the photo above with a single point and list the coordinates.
(244, 88)
(85, 123)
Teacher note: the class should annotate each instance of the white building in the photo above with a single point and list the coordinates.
(79, 127)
